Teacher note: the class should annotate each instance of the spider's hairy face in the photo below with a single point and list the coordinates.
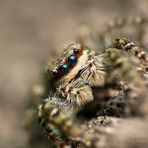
(74, 74)
(70, 63)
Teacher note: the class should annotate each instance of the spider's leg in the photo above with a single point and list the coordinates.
(50, 128)
(56, 115)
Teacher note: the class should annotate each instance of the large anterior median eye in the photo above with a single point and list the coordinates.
(72, 60)
(64, 69)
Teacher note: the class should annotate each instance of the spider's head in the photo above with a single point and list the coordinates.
(68, 65)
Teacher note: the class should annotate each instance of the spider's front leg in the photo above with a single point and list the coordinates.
(56, 114)
(46, 111)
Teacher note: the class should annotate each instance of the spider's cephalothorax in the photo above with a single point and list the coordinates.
(73, 75)
(75, 72)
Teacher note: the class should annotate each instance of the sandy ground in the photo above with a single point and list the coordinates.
(29, 31)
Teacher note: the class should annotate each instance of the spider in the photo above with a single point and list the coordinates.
(73, 75)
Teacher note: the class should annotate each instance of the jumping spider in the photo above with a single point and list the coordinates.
(73, 75)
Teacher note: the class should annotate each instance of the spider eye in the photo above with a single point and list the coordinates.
(76, 51)
(72, 60)
(54, 73)
(64, 68)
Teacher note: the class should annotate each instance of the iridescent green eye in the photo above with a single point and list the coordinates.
(72, 60)
(64, 68)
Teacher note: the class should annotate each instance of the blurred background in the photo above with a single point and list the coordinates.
(29, 31)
